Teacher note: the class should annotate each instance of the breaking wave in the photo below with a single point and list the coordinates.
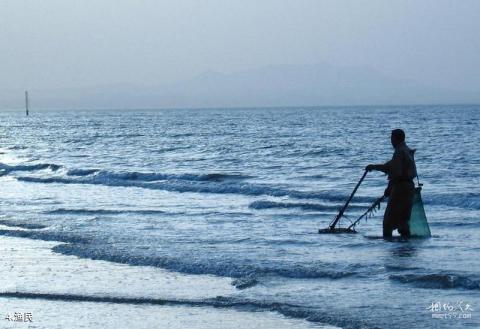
(65, 211)
(222, 183)
(438, 281)
(28, 167)
(89, 248)
(291, 310)
(264, 204)
(30, 226)
(461, 200)
(224, 267)
(81, 172)
(210, 183)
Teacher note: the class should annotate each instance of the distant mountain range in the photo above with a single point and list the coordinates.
(286, 85)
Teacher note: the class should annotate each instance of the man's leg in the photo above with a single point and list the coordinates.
(388, 226)
(406, 203)
(404, 231)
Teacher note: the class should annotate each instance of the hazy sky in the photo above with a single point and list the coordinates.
(67, 44)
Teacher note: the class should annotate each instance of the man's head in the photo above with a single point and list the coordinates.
(398, 137)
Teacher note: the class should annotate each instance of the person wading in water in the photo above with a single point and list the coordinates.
(401, 189)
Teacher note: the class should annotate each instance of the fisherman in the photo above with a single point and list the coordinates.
(401, 189)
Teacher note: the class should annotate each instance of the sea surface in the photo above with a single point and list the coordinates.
(241, 194)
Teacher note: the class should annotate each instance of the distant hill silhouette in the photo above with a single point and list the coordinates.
(285, 85)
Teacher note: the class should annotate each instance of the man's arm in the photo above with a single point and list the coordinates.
(378, 167)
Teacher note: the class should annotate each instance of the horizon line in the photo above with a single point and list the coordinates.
(233, 107)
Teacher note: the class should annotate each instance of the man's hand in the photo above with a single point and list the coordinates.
(370, 167)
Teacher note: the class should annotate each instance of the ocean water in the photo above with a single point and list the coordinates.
(241, 194)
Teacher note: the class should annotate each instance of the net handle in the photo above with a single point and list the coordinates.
(340, 213)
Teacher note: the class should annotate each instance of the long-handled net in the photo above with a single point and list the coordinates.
(332, 227)
(418, 223)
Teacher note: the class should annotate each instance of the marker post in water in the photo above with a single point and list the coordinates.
(26, 103)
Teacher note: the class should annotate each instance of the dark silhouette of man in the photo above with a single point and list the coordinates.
(401, 189)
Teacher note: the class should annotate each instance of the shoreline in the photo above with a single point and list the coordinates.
(62, 291)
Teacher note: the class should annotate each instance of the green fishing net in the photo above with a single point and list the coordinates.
(418, 220)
